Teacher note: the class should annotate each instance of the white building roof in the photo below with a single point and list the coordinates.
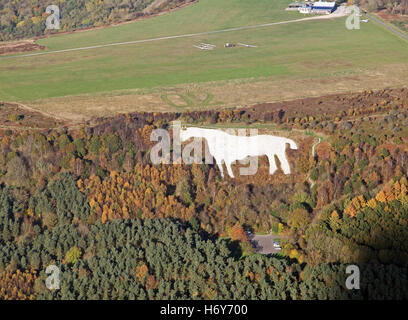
(324, 4)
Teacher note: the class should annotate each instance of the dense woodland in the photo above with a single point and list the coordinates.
(89, 200)
(26, 19)
(392, 6)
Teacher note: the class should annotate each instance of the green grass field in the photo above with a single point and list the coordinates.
(300, 50)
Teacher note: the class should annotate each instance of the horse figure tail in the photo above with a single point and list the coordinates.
(292, 144)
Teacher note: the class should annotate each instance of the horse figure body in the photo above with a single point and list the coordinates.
(230, 148)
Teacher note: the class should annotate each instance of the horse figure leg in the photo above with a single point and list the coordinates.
(229, 169)
(272, 164)
(284, 162)
(219, 164)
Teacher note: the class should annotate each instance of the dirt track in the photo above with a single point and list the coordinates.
(19, 47)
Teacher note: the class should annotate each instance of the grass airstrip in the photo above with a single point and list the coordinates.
(291, 60)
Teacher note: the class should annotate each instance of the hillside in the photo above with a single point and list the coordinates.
(89, 199)
(94, 183)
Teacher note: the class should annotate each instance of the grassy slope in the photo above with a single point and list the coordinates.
(306, 49)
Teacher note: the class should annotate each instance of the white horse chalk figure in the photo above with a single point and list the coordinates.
(230, 148)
